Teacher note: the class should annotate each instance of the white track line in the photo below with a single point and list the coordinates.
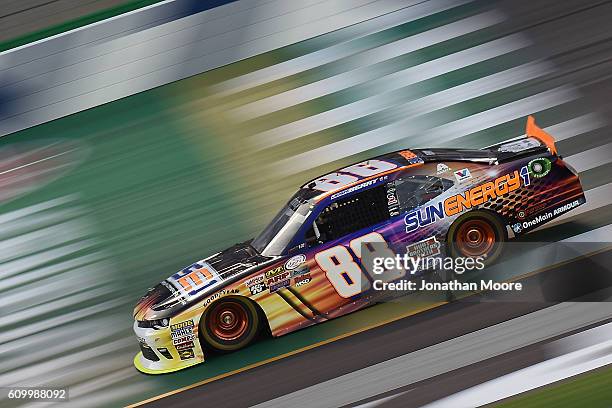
(344, 49)
(576, 126)
(367, 70)
(36, 104)
(446, 356)
(420, 106)
(422, 135)
(535, 376)
(589, 159)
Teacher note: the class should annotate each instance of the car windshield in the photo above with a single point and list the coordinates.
(275, 238)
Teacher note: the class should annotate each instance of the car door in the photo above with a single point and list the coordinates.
(331, 279)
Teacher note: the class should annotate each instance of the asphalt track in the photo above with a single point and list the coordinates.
(572, 36)
(417, 352)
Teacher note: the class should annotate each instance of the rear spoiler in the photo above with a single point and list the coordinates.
(533, 130)
(535, 138)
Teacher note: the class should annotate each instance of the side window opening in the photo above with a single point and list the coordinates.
(349, 215)
(414, 191)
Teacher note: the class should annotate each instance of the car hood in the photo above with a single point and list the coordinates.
(197, 281)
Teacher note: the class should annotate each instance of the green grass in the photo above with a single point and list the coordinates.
(76, 23)
(593, 390)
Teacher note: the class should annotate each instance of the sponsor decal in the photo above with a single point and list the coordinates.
(184, 332)
(428, 152)
(392, 201)
(277, 286)
(517, 228)
(182, 325)
(274, 271)
(550, 214)
(472, 197)
(463, 174)
(257, 288)
(302, 279)
(567, 207)
(537, 220)
(407, 154)
(423, 249)
(303, 269)
(186, 354)
(539, 167)
(277, 278)
(534, 209)
(442, 168)
(183, 340)
(187, 324)
(410, 157)
(183, 346)
(219, 294)
(354, 188)
(254, 280)
(423, 216)
(195, 278)
(295, 261)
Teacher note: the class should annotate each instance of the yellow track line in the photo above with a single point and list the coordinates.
(289, 354)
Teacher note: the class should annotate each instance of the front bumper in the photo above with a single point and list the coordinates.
(159, 355)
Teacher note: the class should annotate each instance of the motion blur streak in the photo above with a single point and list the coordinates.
(390, 92)
(284, 91)
(104, 65)
(367, 63)
(38, 349)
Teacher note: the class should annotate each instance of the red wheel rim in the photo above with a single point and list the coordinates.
(228, 321)
(475, 238)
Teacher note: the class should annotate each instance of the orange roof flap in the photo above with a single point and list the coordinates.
(533, 130)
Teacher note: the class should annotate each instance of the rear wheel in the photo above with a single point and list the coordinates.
(230, 324)
(477, 234)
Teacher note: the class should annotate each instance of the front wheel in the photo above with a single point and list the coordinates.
(230, 324)
(477, 234)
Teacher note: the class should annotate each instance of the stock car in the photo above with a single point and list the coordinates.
(305, 266)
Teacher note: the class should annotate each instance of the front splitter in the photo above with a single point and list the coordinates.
(139, 363)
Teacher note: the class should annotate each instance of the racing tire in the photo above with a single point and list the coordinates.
(477, 233)
(230, 324)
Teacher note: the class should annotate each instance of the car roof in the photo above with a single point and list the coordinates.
(407, 158)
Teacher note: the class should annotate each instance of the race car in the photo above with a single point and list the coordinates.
(306, 266)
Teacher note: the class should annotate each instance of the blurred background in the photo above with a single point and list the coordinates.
(136, 145)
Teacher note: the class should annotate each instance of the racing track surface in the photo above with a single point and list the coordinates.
(99, 224)
(414, 354)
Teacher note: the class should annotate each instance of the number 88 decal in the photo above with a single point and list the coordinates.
(345, 275)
